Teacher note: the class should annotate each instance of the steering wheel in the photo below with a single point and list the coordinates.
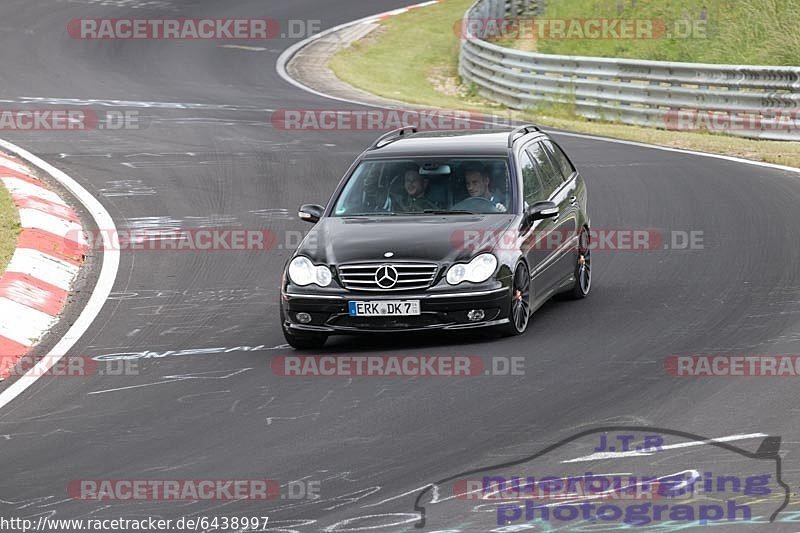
(477, 204)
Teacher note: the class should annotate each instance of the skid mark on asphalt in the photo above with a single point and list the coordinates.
(162, 224)
(133, 103)
(170, 468)
(167, 164)
(131, 4)
(117, 188)
(202, 121)
(172, 317)
(64, 155)
(184, 399)
(272, 214)
(248, 48)
(196, 295)
(313, 416)
(8, 436)
(178, 378)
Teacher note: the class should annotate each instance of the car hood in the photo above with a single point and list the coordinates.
(340, 240)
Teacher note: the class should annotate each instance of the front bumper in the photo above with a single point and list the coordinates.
(439, 311)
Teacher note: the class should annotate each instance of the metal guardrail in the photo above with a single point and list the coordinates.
(749, 101)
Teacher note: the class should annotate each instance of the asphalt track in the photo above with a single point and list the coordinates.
(368, 440)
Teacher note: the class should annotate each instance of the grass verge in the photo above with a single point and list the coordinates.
(413, 58)
(9, 228)
(738, 32)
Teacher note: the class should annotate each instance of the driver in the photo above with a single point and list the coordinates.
(476, 179)
(414, 200)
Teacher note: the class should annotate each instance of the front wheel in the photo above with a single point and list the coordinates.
(520, 305)
(583, 268)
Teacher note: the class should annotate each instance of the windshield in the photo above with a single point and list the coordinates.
(420, 186)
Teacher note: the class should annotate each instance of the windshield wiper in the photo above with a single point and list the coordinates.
(380, 214)
(446, 212)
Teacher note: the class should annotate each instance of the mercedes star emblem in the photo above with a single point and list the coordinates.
(386, 276)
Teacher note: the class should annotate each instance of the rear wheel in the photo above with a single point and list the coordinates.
(520, 305)
(583, 268)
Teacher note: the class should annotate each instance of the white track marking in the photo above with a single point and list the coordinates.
(681, 151)
(105, 281)
(633, 453)
(242, 47)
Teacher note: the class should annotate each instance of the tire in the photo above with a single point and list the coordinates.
(519, 305)
(583, 268)
(307, 341)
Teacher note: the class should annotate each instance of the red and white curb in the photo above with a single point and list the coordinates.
(37, 280)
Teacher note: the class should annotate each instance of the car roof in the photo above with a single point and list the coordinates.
(436, 143)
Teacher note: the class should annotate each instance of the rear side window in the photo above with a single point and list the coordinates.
(560, 159)
(532, 188)
(549, 174)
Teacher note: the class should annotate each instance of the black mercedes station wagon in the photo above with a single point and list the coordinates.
(440, 231)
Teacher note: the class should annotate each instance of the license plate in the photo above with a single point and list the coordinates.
(385, 308)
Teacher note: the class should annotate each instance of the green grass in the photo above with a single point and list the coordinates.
(9, 228)
(739, 32)
(413, 58)
(409, 56)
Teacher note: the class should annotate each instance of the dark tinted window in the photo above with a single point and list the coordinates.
(550, 176)
(413, 186)
(561, 161)
(532, 189)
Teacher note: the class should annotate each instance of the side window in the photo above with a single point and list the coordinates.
(561, 161)
(532, 189)
(550, 175)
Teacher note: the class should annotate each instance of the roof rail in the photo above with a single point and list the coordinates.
(392, 136)
(521, 130)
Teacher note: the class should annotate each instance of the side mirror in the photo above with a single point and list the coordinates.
(311, 212)
(541, 211)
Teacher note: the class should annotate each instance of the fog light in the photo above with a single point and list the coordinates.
(475, 315)
(303, 318)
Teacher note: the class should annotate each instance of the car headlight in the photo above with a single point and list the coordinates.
(303, 272)
(478, 270)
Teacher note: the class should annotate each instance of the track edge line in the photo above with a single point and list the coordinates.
(102, 288)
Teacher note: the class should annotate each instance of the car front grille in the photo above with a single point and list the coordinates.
(409, 276)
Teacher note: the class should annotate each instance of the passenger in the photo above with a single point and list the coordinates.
(414, 200)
